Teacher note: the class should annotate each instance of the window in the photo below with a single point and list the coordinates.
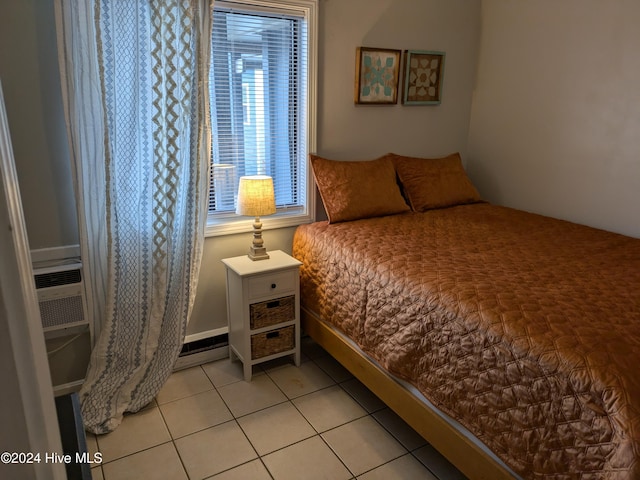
(262, 107)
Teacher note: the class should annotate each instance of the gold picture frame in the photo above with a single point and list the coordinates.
(423, 76)
(377, 75)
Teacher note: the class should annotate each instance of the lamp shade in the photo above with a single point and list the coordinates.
(256, 196)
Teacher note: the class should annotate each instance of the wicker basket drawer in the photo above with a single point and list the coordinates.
(272, 312)
(274, 341)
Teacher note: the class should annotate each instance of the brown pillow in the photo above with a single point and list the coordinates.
(351, 190)
(434, 182)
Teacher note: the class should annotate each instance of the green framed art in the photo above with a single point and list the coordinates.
(423, 75)
(377, 75)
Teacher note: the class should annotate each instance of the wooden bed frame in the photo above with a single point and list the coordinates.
(460, 450)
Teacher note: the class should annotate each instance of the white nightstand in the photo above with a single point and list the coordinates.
(263, 306)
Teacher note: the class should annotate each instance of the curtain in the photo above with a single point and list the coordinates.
(134, 75)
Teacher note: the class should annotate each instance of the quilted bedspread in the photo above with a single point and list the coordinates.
(525, 329)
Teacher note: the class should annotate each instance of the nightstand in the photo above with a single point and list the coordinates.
(263, 306)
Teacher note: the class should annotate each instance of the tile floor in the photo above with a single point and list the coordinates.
(311, 422)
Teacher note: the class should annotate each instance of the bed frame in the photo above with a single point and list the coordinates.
(454, 445)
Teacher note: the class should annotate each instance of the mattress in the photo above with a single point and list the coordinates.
(523, 328)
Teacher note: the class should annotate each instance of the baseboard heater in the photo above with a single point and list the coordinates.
(197, 350)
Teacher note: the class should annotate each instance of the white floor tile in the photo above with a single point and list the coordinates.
(92, 444)
(275, 427)
(243, 397)
(296, 381)
(332, 368)
(224, 372)
(403, 468)
(137, 432)
(161, 461)
(224, 428)
(194, 413)
(363, 395)
(184, 384)
(214, 450)
(309, 460)
(329, 408)
(253, 470)
(363, 445)
(96, 473)
(406, 435)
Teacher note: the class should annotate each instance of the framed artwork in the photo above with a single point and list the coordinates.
(377, 74)
(423, 74)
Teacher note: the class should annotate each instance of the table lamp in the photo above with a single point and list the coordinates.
(255, 199)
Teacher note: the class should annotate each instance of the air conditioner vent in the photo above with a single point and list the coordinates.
(61, 298)
(62, 311)
(56, 279)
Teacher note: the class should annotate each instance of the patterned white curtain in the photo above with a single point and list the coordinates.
(135, 91)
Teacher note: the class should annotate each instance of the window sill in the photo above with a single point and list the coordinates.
(236, 224)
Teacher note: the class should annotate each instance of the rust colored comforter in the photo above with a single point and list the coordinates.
(524, 328)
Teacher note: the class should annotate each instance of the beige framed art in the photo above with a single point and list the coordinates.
(377, 75)
(423, 75)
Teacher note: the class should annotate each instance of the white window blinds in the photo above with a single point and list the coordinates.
(259, 92)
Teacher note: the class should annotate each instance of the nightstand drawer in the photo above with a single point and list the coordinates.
(272, 312)
(272, 342)
(272, 284)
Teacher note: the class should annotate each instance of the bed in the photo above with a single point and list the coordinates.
(509, 340)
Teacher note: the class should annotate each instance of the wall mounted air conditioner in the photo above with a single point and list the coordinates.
(61, 299)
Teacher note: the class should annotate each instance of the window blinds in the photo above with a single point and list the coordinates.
(258, 105)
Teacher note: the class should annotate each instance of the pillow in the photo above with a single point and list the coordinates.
(352, 190)
(429, 183)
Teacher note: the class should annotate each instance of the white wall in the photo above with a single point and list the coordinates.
(555, 123)
(29, 72)
(553, 126)
(348, 131)
(344, 129)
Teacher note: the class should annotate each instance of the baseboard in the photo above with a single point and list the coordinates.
(194, 337)
(198, 350)
(67, 388)
(201, 358)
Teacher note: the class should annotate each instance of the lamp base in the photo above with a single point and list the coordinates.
(258, 253)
